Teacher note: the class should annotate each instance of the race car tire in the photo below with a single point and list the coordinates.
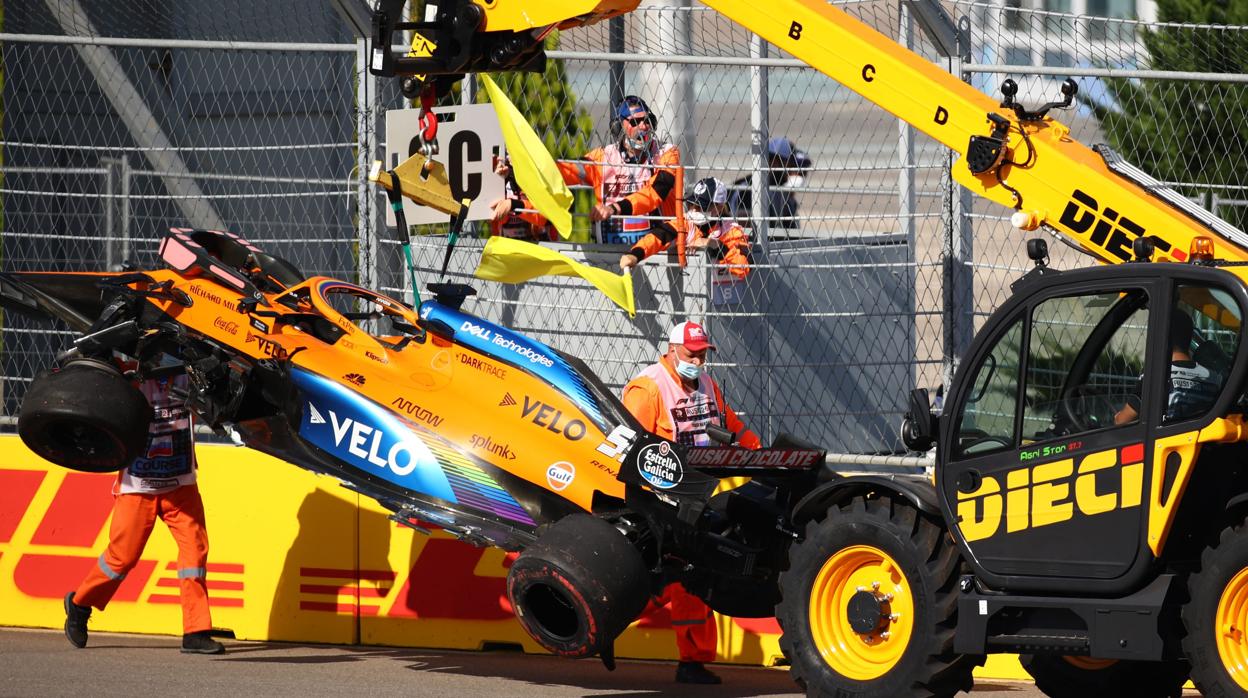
(1217, 641)
(578, 586)
(869, 604)
(1060, 676)
(86, 416)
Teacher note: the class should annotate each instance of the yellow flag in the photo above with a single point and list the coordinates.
(516, 261)
(534, 168)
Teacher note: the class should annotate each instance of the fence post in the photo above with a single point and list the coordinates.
(905, 149)
(366, 131)
(959, 251)
(759, 116)
(668, 87)
(116, 210)
(615, 45)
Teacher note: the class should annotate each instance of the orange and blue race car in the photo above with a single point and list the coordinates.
(441, 416)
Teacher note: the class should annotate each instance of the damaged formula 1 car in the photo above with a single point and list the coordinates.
(440, 416)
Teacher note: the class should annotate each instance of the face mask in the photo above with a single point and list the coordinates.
(688, 371)
(698, 218)
(795, 181)
(639, 142)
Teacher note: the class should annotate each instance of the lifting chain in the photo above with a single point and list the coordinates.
(428, 133)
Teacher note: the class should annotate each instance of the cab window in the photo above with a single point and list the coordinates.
(1085, 362)
(1202, 338)
(987, 421)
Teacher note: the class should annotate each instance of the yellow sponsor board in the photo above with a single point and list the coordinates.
(268, 524)
(296, 557)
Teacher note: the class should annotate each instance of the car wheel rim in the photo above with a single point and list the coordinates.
(84, 440)
(1232, 616)
(854, 579)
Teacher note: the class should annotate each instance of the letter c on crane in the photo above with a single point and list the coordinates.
(868, 72)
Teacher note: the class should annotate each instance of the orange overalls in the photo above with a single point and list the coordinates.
(697, 636)
(160, 484)
(648, 188)
(732, 251)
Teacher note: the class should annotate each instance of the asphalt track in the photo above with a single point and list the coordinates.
(43, 663)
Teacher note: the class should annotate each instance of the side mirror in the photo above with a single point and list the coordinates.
(919, 427)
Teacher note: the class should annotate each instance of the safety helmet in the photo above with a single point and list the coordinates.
(708, 191)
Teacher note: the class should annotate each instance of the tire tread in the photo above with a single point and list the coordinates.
(941, 673)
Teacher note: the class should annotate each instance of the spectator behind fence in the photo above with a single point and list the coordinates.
(786, 170)
(513, 214)
(707, 226)
(635, 179)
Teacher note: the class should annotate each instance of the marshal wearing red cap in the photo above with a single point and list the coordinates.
(675, 399)
(691, 336)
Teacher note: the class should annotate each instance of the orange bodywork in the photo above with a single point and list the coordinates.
(479, 405)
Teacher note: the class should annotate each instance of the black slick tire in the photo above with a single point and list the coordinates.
(86, 416)
(578, 586)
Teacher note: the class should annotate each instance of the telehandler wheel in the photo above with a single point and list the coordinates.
(1062, 676)
(86, 417)
(869, 604)
(1216, 616)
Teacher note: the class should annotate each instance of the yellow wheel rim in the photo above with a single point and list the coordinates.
(852, 653)
(1232, 617)
(1088, 663)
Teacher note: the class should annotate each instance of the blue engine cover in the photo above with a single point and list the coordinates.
(517, 350)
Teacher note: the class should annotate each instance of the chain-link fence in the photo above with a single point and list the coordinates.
(119, 122)
(1164, 95)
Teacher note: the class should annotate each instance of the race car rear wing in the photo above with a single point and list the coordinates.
(662, 466)
(188, 257)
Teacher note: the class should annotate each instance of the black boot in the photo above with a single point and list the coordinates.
(695, 672)
(76, 618)
(201, 643)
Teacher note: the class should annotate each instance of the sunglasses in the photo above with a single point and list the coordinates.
(636, 121)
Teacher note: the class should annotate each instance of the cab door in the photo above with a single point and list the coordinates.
(1074, 427)
(1044, 447)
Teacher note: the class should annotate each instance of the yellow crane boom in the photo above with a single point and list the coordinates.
(1020, 159)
